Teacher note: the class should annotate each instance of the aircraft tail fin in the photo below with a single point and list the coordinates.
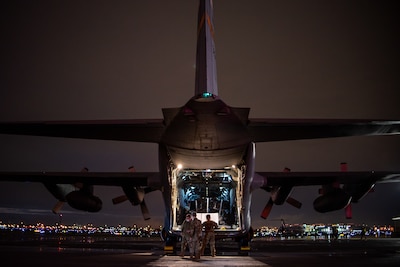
(206, 68)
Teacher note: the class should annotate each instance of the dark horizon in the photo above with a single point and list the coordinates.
(157, 226)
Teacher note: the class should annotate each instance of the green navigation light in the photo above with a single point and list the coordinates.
(207, 95)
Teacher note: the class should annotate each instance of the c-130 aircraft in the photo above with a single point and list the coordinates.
(206, 157)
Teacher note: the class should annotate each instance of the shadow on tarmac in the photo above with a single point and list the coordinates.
(265, 252)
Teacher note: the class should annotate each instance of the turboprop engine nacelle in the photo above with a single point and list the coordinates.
(80, 199)
(336, 199)
(83, 201)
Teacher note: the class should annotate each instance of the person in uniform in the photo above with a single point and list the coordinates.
(187, 235)
(209, 235)
(197, 227)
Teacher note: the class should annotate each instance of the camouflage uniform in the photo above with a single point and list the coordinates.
(187, 236)
(196, 237)
(209, 236)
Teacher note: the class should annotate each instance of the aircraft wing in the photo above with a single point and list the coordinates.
(64, 187)
(146, 130)
(266, 130)
(355, 185)
(88, 178)
(321, 178)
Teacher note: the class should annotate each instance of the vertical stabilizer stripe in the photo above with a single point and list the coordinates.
(206, 68)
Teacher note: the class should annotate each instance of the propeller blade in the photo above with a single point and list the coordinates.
(58, 207)
(120, 199)
(294, 202)
(145, 211)
(348, 211)
(267, 209)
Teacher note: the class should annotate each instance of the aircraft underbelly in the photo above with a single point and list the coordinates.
(206, 159)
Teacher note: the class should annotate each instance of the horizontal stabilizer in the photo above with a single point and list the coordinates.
(267, 130)
(146, 130)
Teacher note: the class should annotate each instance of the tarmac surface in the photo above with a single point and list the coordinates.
(265, 252)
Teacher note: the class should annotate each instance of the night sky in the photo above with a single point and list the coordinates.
(78, 60)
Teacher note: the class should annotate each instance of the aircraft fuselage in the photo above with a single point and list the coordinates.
(207, 160)
(206, 134)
